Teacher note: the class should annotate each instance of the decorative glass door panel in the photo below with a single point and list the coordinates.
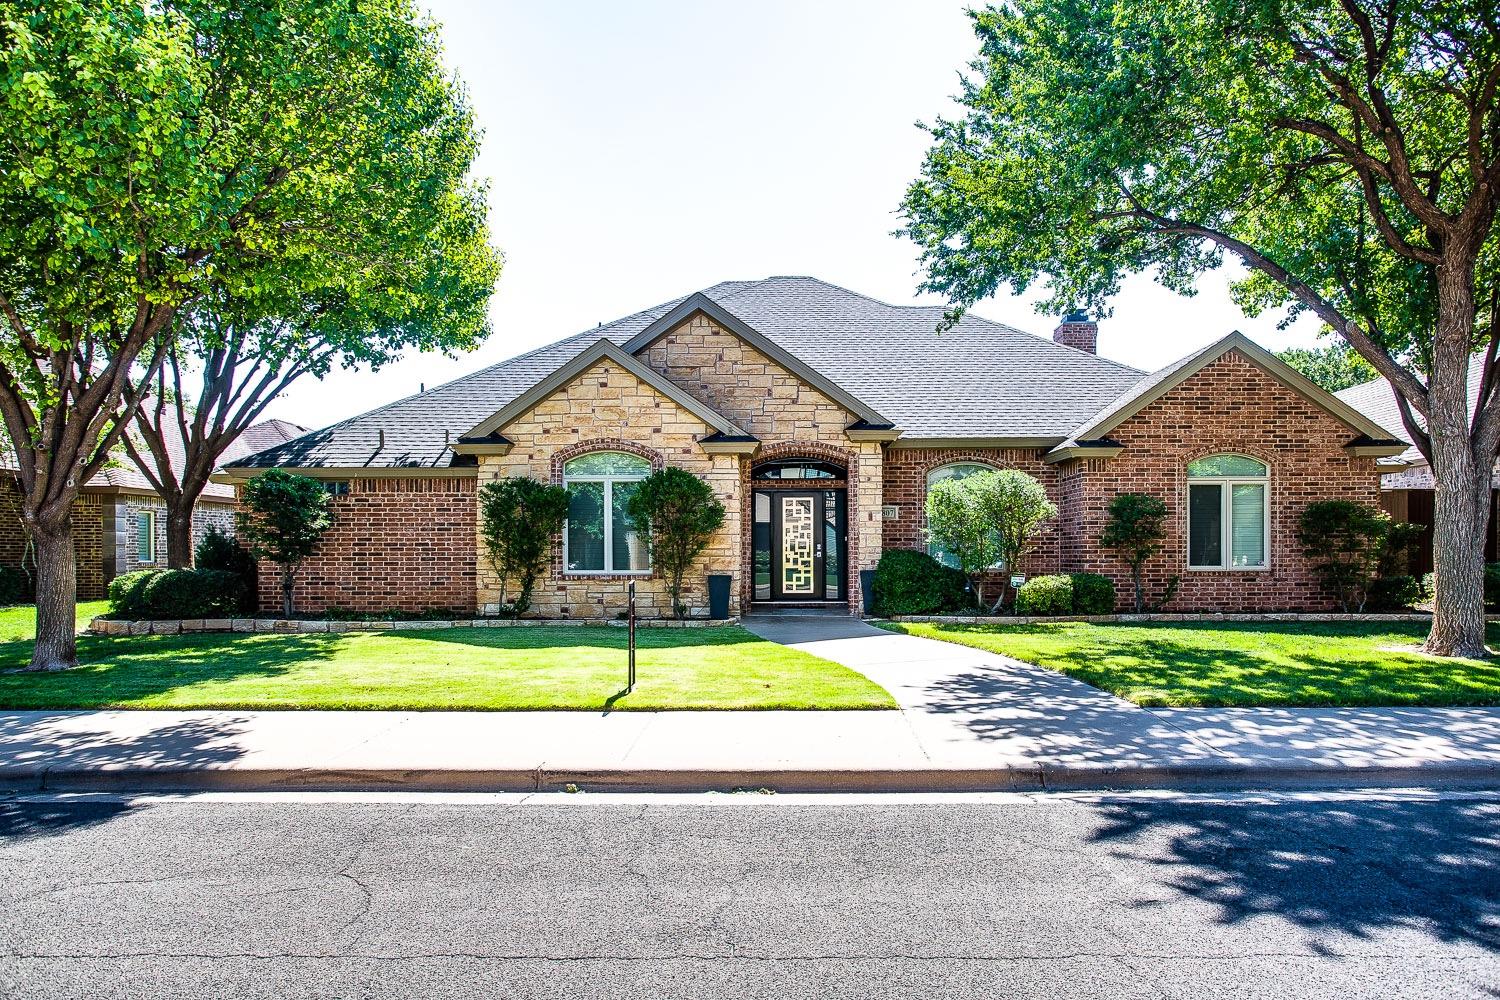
(798, 543)
(799, 548)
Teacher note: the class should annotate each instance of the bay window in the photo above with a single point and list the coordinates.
(1228, 513)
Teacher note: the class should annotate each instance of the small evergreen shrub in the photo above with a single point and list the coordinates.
(194, 593)
(1395, 593)
(1093, 594)
(1045, 595)
(127, 593)
(913, 583)
(13, 585)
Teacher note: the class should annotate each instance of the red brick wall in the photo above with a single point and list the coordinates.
(1230, 406)
(399, 544)
(88, 539)
(906, 471)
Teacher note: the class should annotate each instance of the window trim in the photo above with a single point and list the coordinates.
(998, 567)
(147, 518)
(1226, 486)
(608, 514)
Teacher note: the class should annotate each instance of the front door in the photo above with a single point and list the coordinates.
(799, 545)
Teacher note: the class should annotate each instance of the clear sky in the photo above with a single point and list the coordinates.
(640, 151)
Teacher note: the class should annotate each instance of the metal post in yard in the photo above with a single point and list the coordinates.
(630, 679)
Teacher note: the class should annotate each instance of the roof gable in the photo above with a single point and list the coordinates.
(601, 350)
(698, 302)
(1159, 383)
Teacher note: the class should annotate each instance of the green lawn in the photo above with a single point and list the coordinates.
(1359, 663)
(19, 620)
(461, 668)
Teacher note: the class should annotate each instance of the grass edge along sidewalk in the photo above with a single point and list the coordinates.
(1240, 664)
(533, 669)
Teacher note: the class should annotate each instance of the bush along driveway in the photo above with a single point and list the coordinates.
(1241, 663)
(545, 667)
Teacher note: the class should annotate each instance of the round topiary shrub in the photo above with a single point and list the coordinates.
(220, 550)
(127, 594)
(1093, 594)
(914, 583)
(1045, 595)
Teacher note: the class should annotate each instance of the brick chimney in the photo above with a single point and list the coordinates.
(1077, 330)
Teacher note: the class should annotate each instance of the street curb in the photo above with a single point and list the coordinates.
(1033, 778)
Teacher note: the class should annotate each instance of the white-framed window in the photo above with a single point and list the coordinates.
(599, 536)
(145, 536)
(1229, 513)
(958, 470)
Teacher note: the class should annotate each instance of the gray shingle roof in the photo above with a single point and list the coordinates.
(978, 380)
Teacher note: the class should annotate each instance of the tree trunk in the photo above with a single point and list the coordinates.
(56, 595)
(1461, 478)
(1140, 589)
(288, 578)
(180, 531)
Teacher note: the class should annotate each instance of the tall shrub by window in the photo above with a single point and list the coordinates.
(601, 536)
(988, 518)
(1228, 513)
(948, 473)
(1136, 529)
(518, 517)
(1346, 542)
(679, 514)
(282, 518)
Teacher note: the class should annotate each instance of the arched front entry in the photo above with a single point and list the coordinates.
(799, 539)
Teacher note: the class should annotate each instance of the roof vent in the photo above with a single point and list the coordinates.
(1078, 331)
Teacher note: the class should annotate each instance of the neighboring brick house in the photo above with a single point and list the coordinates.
(1406, 487)
(120, 523)
(820, 417)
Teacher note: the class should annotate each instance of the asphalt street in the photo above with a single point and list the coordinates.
(751, 896)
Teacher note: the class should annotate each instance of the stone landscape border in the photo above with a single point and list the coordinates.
(1268, 617)
(286, 626)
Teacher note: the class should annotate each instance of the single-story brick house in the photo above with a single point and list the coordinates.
(1406, 487)
(820, 417)
(119, 521)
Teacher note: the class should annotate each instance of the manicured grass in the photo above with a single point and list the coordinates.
(1246, 663)
(460, 668)
(18, 621)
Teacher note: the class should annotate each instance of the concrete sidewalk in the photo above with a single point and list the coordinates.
(969, 721)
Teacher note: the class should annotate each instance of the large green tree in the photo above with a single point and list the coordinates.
(1333, 366)
(281, 150)
(1346, 153)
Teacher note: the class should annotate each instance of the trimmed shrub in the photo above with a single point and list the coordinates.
(914, 583)
(13, 585)
(1093, 594)
(194, 593)
(127, 594)
(1045, 595)
(1395, 593)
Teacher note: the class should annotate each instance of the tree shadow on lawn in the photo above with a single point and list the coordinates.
(1358, 868)
(1155, 670)
(116, 671)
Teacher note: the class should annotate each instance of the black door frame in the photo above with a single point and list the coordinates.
(819, 498)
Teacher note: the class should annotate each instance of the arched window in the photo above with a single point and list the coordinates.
(1228, 513)
(958, 470)
(599, 536)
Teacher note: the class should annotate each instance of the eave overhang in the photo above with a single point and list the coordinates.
(1069, 450)
(863, 430)
(1368, 447)
(729, 444)
(488, 444)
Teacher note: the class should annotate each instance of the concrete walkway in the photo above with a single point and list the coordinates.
(969, 720)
